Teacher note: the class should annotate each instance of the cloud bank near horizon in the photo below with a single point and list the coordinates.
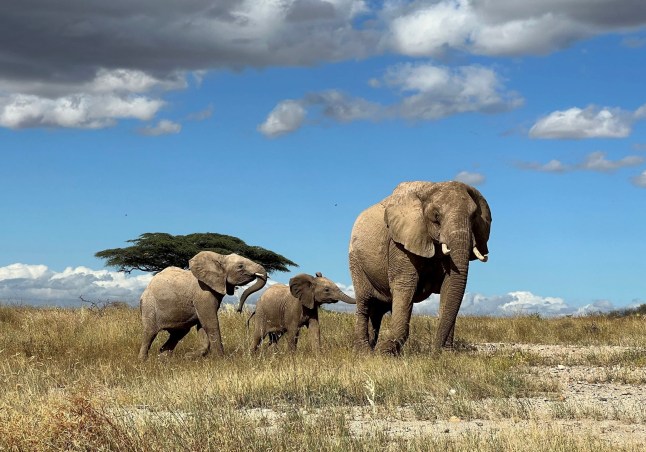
(38, 285)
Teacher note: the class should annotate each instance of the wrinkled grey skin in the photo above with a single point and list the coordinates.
(284, 310)
(416, 242)
(176, 299)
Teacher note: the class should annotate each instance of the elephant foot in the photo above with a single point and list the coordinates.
(447, 346)
(435, 350)
(165, 354)
(196, 355)
(389, 347)
(363, 347)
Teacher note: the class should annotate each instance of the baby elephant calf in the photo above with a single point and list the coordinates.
(283, 309)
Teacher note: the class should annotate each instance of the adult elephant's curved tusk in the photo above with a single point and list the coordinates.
(479, 255)
(445, 249)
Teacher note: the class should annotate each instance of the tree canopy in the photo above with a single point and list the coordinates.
(154, 251)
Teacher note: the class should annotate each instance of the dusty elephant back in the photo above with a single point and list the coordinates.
(272, 305)
(168, 300)
(276, 295)
(368, 249)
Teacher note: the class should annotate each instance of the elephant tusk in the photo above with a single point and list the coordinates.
(445, 249)
(479, 255)
(260, 275)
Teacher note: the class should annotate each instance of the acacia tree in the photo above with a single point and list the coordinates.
(154, 251)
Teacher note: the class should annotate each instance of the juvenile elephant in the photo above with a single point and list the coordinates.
(282, 309)
(176, 299)
(416, 242)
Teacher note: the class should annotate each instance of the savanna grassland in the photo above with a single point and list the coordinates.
(70, 380)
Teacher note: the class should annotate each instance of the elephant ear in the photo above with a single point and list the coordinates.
(481, 221)
(302, 287)
(405, 220)
(208, 267)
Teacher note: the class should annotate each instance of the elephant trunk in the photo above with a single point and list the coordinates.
(347, 299)
(453, 289)
(261, 280)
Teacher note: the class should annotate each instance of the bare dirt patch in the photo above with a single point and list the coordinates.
(604, 402)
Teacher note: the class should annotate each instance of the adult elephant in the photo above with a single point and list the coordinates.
(176, 299)
(416, 242)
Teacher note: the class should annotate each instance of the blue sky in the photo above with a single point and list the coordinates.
(280, 121)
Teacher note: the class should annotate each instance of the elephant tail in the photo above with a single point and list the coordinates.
(249, 319)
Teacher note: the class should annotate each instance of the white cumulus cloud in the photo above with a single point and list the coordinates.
(21, 271)
(132, 81)
(163, 127)
(553, 166)
(576, 123)
(432, 28)
(86, 111)
(595, 161)
(286, 117)
(37, 284)
(343, 108)
(440, 91)
(640, 180)
(511, 304)
(426, 92)
(596, 307)
(503, 27)
(470, 178)
(523, 302)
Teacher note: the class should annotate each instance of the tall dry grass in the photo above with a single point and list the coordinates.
(70, 380)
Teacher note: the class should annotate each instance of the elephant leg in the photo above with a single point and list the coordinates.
(315, 333)
(207, 313)
(362, 327)
(273, 340)
(402, 309)
(363, 298)
(176, 335)
(257, 340)
(377, 310)
(204, 345)
(146, 342)
(292, 339)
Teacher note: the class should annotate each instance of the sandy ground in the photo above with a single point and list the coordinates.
(589, 402)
